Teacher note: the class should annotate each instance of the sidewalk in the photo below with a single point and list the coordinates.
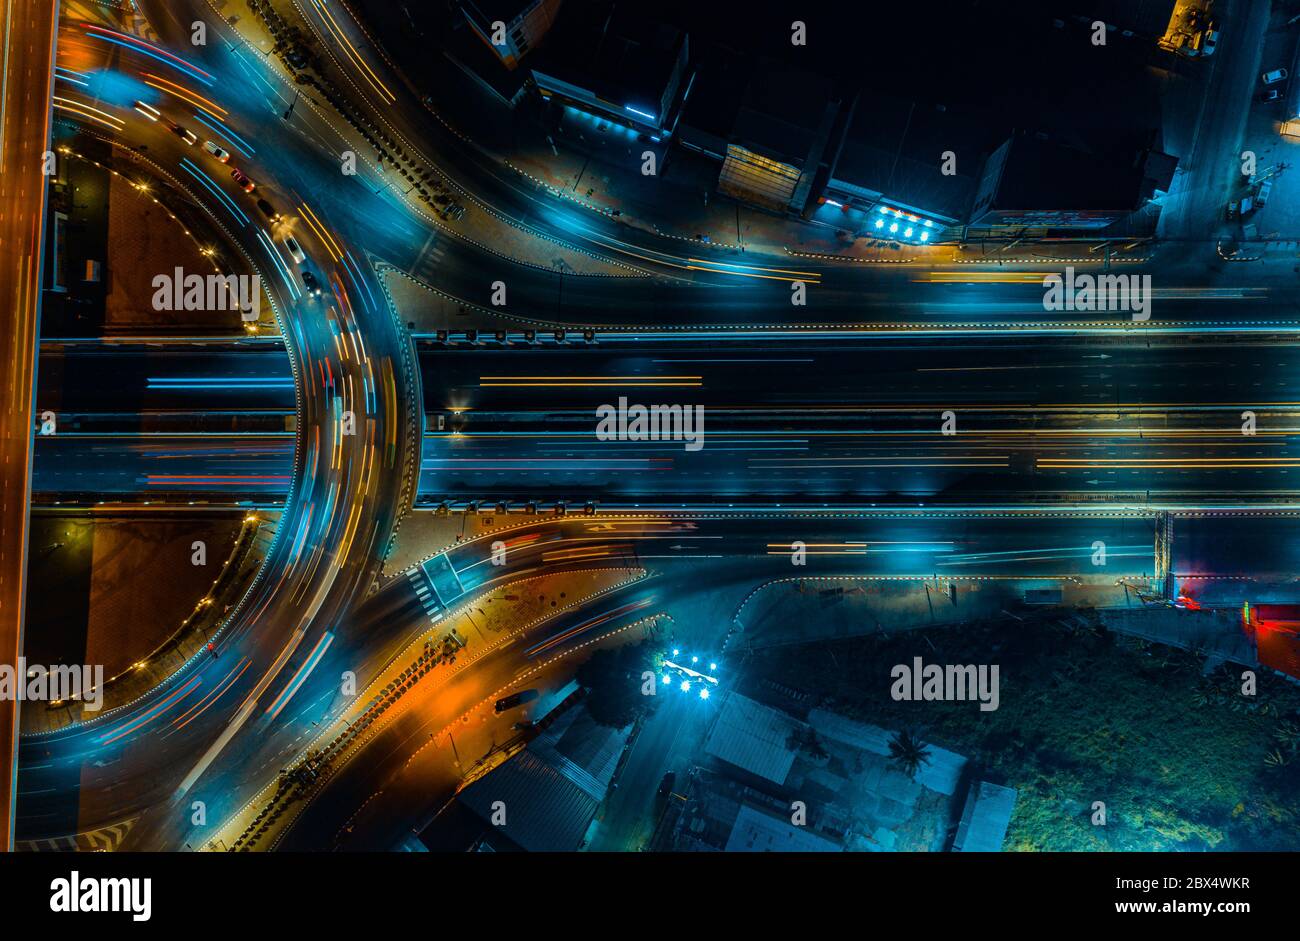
(708, 221)
(808, 609)
(416, 679)
(597, 165)
(778, 613)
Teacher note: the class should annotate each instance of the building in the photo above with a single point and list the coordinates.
(754, 738)
(721, 814)
(903, 170)
(712, 100)
(510, 28)
(852, 796)
(550, 790)
(465, 48)
(778, 141)
(1033, 183)
(1276, 631)
(1145, 20)
(757, 830)
(609, 62)
(985, 818)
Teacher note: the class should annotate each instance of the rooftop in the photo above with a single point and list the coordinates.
(985, 818)
(553, 787)
(466, 49)
(1040, 174)
(757, 831)
(894, 147)
(488, 11)
(619, 56)
(1145, 18)
(784, 112)
(753, 737)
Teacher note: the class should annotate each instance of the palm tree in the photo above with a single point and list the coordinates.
(907, 753)
(1287, 734)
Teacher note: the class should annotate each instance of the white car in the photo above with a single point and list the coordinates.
(1273, 77)
(218, 152)
(294, 249)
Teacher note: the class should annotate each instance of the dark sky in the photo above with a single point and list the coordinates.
(1005, 56)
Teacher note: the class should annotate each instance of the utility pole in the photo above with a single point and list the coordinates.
(1164, 576)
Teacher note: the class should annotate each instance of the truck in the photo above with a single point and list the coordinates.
(515, 699)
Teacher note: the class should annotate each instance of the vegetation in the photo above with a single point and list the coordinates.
(907, 752)
(613, 678)
(1180, 760)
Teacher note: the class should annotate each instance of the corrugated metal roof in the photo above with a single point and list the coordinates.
(759, 832)
(552, 788)
(545, 810)
(941, 772)
(592, 747)
(985, 819)
(753, 737)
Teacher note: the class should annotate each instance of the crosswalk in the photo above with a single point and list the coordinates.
(429, 260)
(443, 579)
(420, 582)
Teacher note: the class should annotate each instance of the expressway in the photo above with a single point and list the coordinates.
(796, 422)
(730, 289)
(664, 288)
(411, 765)
(800, 423)
(25, 83)
(353, 408)
(208, 734)
(130, 760)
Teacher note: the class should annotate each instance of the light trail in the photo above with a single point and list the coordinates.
(207, 183)
(148, 49)
(319, 228)
(230, 136)
(301, 676)
(108, 122)
(366, 72)
(184, 94)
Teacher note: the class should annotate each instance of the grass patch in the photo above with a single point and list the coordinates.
(1181, 761)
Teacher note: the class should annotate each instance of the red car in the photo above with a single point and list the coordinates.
(244, 182)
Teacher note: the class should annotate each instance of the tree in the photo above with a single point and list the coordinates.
(907, 753)
(806, 740)
(613, 679)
